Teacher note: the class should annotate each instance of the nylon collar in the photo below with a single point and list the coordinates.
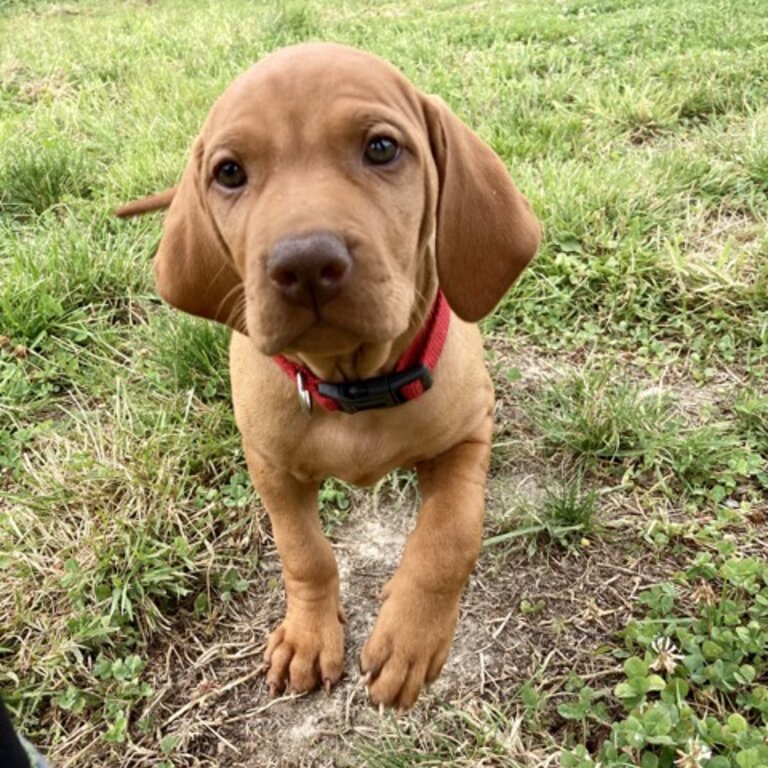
(411, 378)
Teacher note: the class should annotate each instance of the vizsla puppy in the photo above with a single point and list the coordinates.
(351, 229)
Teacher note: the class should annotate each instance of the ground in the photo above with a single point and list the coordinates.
(529, 615)
(618, 612)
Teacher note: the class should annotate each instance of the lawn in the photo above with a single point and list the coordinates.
(619, 612)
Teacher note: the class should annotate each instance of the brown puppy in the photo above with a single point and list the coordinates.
(326, 209)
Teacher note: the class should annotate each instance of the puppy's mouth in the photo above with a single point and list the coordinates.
(365, 312)
(324, 339)
(317, 335)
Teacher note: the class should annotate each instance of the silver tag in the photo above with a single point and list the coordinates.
(305, 398)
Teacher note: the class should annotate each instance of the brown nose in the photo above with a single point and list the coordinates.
(309, 270)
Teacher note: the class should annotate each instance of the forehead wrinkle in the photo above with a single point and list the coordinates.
(240, 138)
(299, 81)
(298, 98)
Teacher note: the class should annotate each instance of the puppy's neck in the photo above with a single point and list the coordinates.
(368, 359)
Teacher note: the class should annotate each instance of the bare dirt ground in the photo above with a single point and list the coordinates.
(526, 616)
(213, 697)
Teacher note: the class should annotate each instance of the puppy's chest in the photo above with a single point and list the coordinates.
(359, 449)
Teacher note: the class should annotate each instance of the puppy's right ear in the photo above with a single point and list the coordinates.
(193, 269)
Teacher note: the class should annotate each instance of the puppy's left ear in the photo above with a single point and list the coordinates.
(486, 231)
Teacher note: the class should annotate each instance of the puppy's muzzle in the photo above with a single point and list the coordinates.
(309, 270)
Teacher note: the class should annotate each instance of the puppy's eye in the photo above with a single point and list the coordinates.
(230, 174)
(381, 150)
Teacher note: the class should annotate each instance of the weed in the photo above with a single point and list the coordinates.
(620, 427)
(751, 409)
(565, 515)
(484, 734)
(695, 693)
(596, 416)
(334, 505)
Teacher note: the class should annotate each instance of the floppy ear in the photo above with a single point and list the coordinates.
(193, 269)
(486, 231)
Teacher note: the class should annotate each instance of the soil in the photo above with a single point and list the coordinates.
(529, 614)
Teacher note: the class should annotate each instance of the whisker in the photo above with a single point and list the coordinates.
(236, 315)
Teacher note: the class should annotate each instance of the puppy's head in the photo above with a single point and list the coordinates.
(326, 197)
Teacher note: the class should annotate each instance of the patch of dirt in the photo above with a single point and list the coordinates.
(18, 81)
(214, 698)
(525, 617)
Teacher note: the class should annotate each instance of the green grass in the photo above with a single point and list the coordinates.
(643, 436)
(639, 131)
(566, 515)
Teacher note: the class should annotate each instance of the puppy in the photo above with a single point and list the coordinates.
(351, 230)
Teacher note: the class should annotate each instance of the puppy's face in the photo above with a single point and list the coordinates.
(318, 178)
(324, 199)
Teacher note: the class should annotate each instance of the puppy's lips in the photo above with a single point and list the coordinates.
(337, 327)
(318, 336)
(275, 342)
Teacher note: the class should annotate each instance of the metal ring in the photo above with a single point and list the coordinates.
(305, 398)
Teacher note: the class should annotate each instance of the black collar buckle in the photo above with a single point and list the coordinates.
(377, 392)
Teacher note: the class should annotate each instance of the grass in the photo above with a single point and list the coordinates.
(631, 359)
(566, 515)
(641, 435)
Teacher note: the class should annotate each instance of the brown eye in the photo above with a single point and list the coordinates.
(381, 150)
(229, 174)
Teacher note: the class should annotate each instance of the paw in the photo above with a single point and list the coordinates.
(408, 646)
(305, 652)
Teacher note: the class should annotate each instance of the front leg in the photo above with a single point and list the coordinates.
(412, 636)
(307, 649)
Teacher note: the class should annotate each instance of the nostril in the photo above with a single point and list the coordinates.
(284, 278)
(309, 269)
(334, 272)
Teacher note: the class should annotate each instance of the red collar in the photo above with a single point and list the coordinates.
(412, 375)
